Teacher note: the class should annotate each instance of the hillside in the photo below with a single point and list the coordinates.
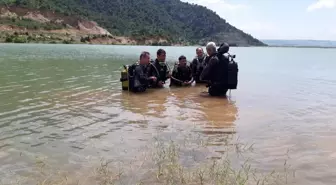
(170, 21)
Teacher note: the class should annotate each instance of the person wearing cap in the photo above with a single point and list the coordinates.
(214, 72)
(182, 74)
(159, 69)
(198, 64)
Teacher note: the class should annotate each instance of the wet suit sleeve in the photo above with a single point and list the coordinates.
(150, 70)
(206, 74)
(191, 78)
(174, 73)
(143, 75)
(167, 72)
(175, 76)
(193, 67)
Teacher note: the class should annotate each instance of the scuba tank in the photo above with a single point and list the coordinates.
(129, 81)
(232, 78)
(124, 79)
(232, 73)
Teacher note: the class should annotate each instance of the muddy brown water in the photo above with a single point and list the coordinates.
(65, 102)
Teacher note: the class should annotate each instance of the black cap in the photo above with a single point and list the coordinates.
(223, 48)
(182, 57)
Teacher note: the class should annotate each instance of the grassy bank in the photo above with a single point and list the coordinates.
(45, 37)
(167, 162)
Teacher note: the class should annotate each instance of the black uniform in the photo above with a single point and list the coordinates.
(138, 78)
(159, 71)
(216, 75)
(197, 66)
(182, 73)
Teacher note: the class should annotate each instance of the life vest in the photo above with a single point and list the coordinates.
(160, 71)
(200, 64)
(182, 74)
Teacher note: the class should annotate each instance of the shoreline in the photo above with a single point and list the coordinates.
(170, 45)
(48, 37)
(321, 47)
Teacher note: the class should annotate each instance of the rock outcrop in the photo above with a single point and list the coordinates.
(70, 23)
(92, 27)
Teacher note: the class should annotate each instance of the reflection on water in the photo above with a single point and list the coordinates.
(66, 103)
(78, 108)
(182, 104)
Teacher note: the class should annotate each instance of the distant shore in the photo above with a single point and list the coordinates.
(56, 38)
(322, 47)
(178, 45)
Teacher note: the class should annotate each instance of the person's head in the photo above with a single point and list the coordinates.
(223, 48)
(199, 52)
(182, 60)
(161, 55)
(211, 48)
(144, 57)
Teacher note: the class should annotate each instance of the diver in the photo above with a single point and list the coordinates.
(231, 65)
(159, 69)
(138, 74)
(216, 72)
(182, 74)
(198, 64)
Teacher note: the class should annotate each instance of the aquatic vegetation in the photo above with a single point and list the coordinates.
(169, 162)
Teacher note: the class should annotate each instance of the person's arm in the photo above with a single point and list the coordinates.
(151, 74)
(149, 70)
(194, 67)
(191, 77)
(168, 72)
(174, 77)
(206, 61)
(206, 73)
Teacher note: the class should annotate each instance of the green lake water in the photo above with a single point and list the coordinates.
(65, 102)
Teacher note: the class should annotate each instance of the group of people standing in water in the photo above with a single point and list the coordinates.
(212, 69)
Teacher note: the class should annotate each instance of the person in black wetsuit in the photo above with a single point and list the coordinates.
(138, 72)
(215, 73)
(159, 69)
(198, 64)
(181, 75)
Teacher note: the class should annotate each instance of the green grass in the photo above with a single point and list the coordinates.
(25, 37)
(162, 164)
(30, 24)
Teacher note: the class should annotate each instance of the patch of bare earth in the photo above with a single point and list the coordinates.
(74, 27)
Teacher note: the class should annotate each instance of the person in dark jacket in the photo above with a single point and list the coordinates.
(139, 80)
(159, 69)
(214, 73)
(198, 64)
(181, 75)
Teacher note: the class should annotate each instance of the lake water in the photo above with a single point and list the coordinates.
(65, 102)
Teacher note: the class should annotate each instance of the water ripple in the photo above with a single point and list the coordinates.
(68, 99)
